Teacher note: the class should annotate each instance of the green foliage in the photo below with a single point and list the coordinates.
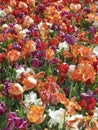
(84, 25)
(8, 72)
(9, 103)
(4, 45)
(3, 121)
(94, 85)
(89, 35)
(28, 61)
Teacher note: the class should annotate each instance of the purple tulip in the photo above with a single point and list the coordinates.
(34, 53)
(64, 20)
(11, 115)
(10, 127)
(40, 8)
(37, 40)
(17, 66)
(53, 47)
(20, 123)
(55, 27)
(21, 15)
(23, 125)
(6, 87)
(38, 54)
(2, 21)
(92, 30)
(25, 40)
(16, 46)
(87, 95)
(36, 63)
(33, 28)
(11, 30)
(11, 25)
(62, 34)
(54, 60)
(66, 91)
(15, 122)
(4, 31)
(3, 108)
(29, 33)
(59, 7)
(64, 13)
(87, 10)
(70, 39)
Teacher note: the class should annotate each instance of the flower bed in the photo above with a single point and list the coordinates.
(48, 65)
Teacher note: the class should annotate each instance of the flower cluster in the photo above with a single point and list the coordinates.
(48, 64)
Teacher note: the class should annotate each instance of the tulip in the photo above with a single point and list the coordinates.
(3, 108)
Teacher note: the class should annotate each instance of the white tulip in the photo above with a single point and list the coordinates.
(63, 45)
(95, 51)
(2, 13)
(56, 117)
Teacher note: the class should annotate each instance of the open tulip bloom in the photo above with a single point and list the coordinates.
(48, 65)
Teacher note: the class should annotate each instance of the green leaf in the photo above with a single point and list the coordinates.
(8, 71)
(89, 36)
(20, 112)
(84, 25)
(4, 45)
(3, 121)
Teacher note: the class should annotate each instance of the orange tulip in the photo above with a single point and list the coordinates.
(62, 98)
(35, 114)
(30, 45)
(40, 75)
(80, 54)
(73, 106)
(30, 2)
(49, 54)
(93, 7)
(29, 82)
(84, 73)
(22, 5)
(13, 55)
(13, 3)
(28, 48)
(50, 78)
(71, 123)
(16, 89)
(91, 17)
